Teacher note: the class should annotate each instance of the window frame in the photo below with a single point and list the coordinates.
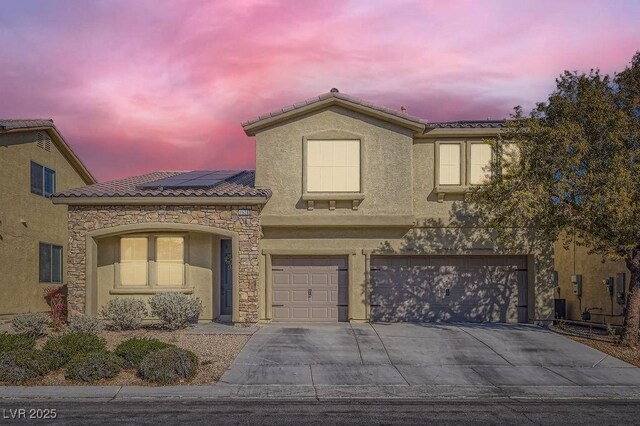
(152, 269)
(50, 247)
(121, 261)
(183, 262)
(42, 189)
(306, 165)
(463, 166)
(470, 143)
(332, 197)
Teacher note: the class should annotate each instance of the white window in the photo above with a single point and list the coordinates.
(449, 167)
(333, 166)
(170, 260)
(479, 163)
(133, 261)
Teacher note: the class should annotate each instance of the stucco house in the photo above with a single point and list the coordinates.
(588, 282)
(35, 162)
(355, 212)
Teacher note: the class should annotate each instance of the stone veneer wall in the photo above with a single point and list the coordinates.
(84, 219)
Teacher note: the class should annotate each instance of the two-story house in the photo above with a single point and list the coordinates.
(35, 162)
(354, 212)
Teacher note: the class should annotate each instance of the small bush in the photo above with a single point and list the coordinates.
(86, 324)
(60, 350)
(175, 310)
(16, 342)
(124, 314)
(18, 366)
(168, 365)
(56, 298)
(135, 349)
(33, 324)
(92, 366)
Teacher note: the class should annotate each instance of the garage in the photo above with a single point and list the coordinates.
(449, 288)
(310, 288)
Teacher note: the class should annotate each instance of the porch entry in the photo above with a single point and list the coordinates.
(226, 278)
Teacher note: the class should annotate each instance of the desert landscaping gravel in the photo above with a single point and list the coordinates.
(215, 351)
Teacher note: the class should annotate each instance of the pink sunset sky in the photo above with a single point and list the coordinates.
(143, 85)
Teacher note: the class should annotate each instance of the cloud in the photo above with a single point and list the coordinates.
(149, 85)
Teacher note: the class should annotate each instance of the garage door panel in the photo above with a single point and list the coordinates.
(299, 295)
(453, 288)
(321, 296)
(300, 313)
(316, 286)
(300, 279)
(281, 279)
(320, 279)
(280, 296)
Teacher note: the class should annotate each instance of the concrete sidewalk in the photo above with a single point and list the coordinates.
(223, 392)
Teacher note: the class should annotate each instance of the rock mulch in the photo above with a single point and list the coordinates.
(215, 351)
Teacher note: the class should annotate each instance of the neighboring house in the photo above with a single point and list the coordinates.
(35, 162)
(585, 281)
(356, 212)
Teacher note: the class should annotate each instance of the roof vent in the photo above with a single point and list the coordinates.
(403, 109)
(334, 90)
(43, 142)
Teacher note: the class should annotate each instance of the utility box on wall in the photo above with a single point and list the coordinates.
(576, 280)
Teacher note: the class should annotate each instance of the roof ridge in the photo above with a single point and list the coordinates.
(248, 125)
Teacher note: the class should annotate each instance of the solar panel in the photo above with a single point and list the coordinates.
(193, 179)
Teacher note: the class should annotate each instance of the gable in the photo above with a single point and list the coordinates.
(43, 134)
(331, 100)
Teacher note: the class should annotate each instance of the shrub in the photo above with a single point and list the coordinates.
(33, 324)
(60, 350)
(16, 342)
(168, 365)
(93, 366)
(56, 298)
(124, 314)
(18, 366)
(175, 310)
(135, 349)
(86, 324)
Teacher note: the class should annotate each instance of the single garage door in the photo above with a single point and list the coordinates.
(449, 288)
(310, 288)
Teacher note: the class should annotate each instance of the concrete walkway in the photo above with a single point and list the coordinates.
(394, 361)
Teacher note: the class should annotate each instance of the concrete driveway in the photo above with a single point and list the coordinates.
(467, 358)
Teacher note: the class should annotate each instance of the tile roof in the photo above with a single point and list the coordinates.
(336, 95)
(28, 124)
(240, 185)
(24, 123)
(462, 124)
(468, 124)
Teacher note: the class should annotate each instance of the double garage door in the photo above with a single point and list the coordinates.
(404, 288)
(449, 288)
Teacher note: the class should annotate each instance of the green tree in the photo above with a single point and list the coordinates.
(571, 170)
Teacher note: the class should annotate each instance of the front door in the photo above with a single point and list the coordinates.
(226, 279)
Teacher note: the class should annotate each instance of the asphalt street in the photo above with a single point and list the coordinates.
(170, 412)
